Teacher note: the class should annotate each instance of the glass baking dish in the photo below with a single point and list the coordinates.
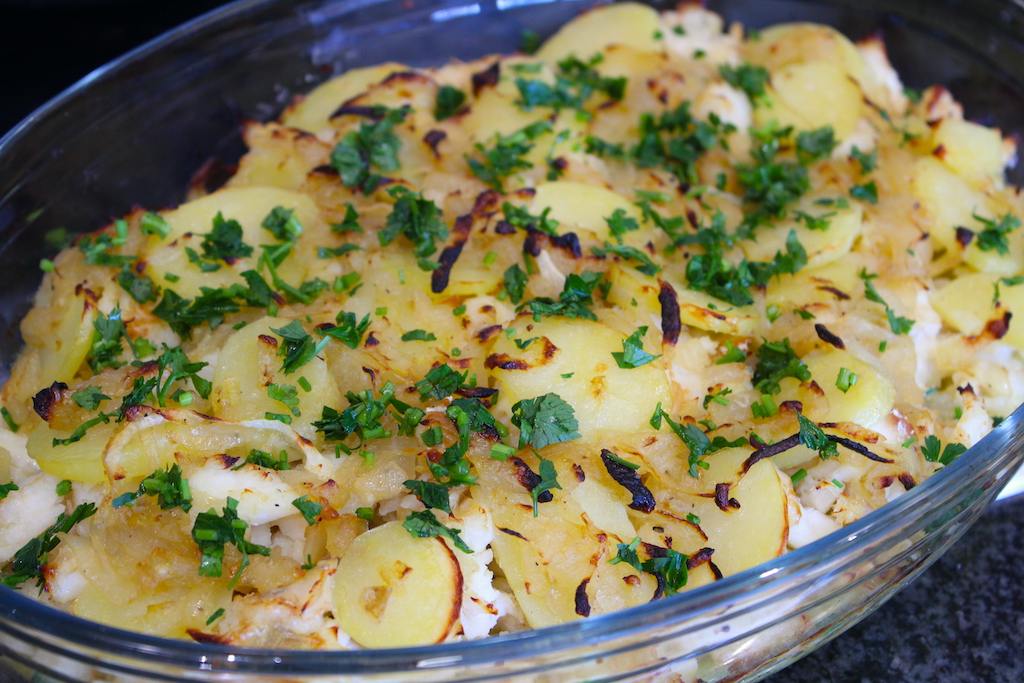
(135, 133)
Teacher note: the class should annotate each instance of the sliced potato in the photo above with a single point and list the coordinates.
(973, 151)
(579, 205)
(625, 23)
(573, 358)
(247, 205)
(751, 534)
(810, 95)
(395, 590)
(249, 364)
(312, 112)
(866, 402)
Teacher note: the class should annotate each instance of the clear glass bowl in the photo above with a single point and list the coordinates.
(135, 132)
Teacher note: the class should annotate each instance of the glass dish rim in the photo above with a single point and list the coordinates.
(987, 460)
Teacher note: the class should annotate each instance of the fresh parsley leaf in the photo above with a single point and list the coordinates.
(224, 242)
(425, 525)
(993, 236)
(814, 438)
(675, 141)
(29, 560)
(139, 287)
(820, 223)
(776, 361)
(574, 301)
(633, 354)
(515, 283)
(347, 331)
(645, 264)
(520, 217)
(89, 398)
(106, 349)
(544, 420)
(932, 450)
(264, 459)
(868, 192)
(169, 487)
(440, 382)
(419, 220)
(449, 102)
(283, 224)
(350, 222)
(814, 145)
(286, 394)
(7, 488)
(297, 346)
(432, 495)
(506, 156)
(575, 82)
(363, 155)
(619, 223)
(419, 335)
(603, 149)
(868, 161)
(749, 78)
(96, 246)
(732, 355)
(212, 532)
(898, 324)
(548, 481)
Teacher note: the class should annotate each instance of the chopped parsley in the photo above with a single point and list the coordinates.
(95, 247)
(139, 287)
(814, 438)
(169, 487)
(575, 82)
(286, 394)
(633, 354)
(933, 451)
(153, 224)
(419, 220)
(449, 102)
(675, 141)
(749, 78)
(548, 481)
(419, 335)
(667, 565)
(440, 382)
(425, 525)
(430, 494)
(89, 398)
(697, 442)
(264, 459)
(493, 165)
(7, 488)
(868, 162)
(574, 301)
(283, 224)
(29, 560)
(993, 236)
(297, 347)
(814, 145)
(644, 262)
(868, 192)
(347, 331)
(224, 242)
(212, 532)
(515, 279)
(520, 217)
(362, 155)
(544, 420)
(777, 361)
(897, 324)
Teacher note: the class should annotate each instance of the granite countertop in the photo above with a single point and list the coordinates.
(962, 621)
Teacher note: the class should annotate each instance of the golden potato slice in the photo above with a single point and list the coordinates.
(973, 151)
(573, 358)
(247, 366)
(626, 23)
(312, 112)
(395, 590)
(866, 402)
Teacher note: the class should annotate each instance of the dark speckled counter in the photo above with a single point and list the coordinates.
(962, 621)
